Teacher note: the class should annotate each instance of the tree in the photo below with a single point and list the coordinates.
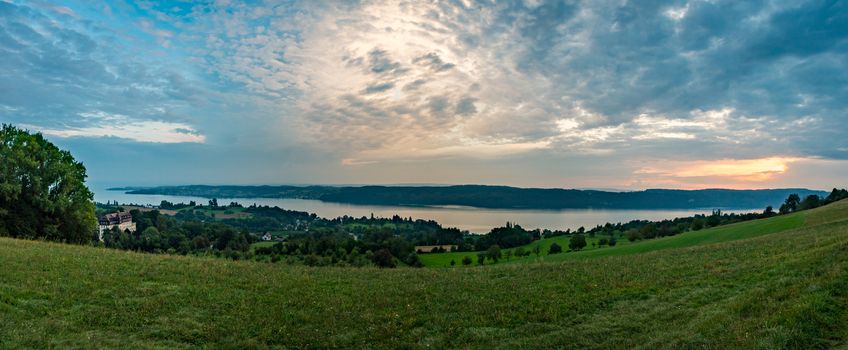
(697, 224)
(555, 249)
(413, 260)
(769, 212)
(494, 253)
(836, 195)
(577, 242)
(520, 251)
(648, 231)
(466, 260)
(481, 258)
(453, 262)
(384, 258)
(612, 241)
(810, 202)
(150, 238)
(633, 235)
(791, 204)
(508, 255)
(537, 250)
(42, 190)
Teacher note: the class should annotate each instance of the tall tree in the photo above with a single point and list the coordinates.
(42, 190)
(791, 203)
(577, 242)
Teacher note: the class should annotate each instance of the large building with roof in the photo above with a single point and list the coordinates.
(121, 220)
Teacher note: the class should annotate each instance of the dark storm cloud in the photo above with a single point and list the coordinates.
(783, 62)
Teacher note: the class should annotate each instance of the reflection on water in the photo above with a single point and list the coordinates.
(466, 218)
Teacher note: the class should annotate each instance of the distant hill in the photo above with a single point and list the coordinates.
(497, 197)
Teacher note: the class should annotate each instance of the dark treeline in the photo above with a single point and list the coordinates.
(496, 196)
(297, 237)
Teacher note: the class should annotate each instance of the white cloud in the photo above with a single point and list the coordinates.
(101, 124)
(677, 13)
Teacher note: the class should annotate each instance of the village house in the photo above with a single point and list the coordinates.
(121, 220)
(267, 236)
(430, 248)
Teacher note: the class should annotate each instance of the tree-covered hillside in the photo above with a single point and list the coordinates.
(497, 196)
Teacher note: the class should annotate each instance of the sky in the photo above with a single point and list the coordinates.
(567, 94)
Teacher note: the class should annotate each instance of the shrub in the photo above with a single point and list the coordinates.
(577, 242)
(384, 258)
(555, 249)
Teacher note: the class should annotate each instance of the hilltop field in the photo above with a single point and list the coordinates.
(772, 283)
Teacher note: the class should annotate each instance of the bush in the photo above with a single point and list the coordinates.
(555, 249)
(413, 260)
(384, 258)
(577, 242)
(520, 251)
(494, 253)
(697, 224)
(633, 235)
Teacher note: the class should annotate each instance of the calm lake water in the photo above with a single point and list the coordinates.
(465, 218)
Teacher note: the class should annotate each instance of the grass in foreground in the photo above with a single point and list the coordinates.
(786, 289)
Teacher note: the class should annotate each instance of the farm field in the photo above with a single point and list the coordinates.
(777, 283)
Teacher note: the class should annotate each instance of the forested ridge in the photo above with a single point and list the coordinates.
(483, 196)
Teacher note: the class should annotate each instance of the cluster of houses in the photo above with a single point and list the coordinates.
(268, 237)
(423, 249)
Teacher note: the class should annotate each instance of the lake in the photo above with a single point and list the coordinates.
(475, 220)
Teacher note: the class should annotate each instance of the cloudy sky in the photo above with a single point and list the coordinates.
(576, 94)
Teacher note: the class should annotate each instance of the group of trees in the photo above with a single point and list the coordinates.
(508, 236)
(42, 190)
(309, 240)
(378, 245)
(158, 233)
(794, 202)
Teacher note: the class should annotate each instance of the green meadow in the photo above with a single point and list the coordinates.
(774, 283)
(731, 232)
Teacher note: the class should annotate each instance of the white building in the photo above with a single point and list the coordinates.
(121, 220)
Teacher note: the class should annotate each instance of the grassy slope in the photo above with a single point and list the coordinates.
(785, 289)
(444, 259)
(736, 231)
